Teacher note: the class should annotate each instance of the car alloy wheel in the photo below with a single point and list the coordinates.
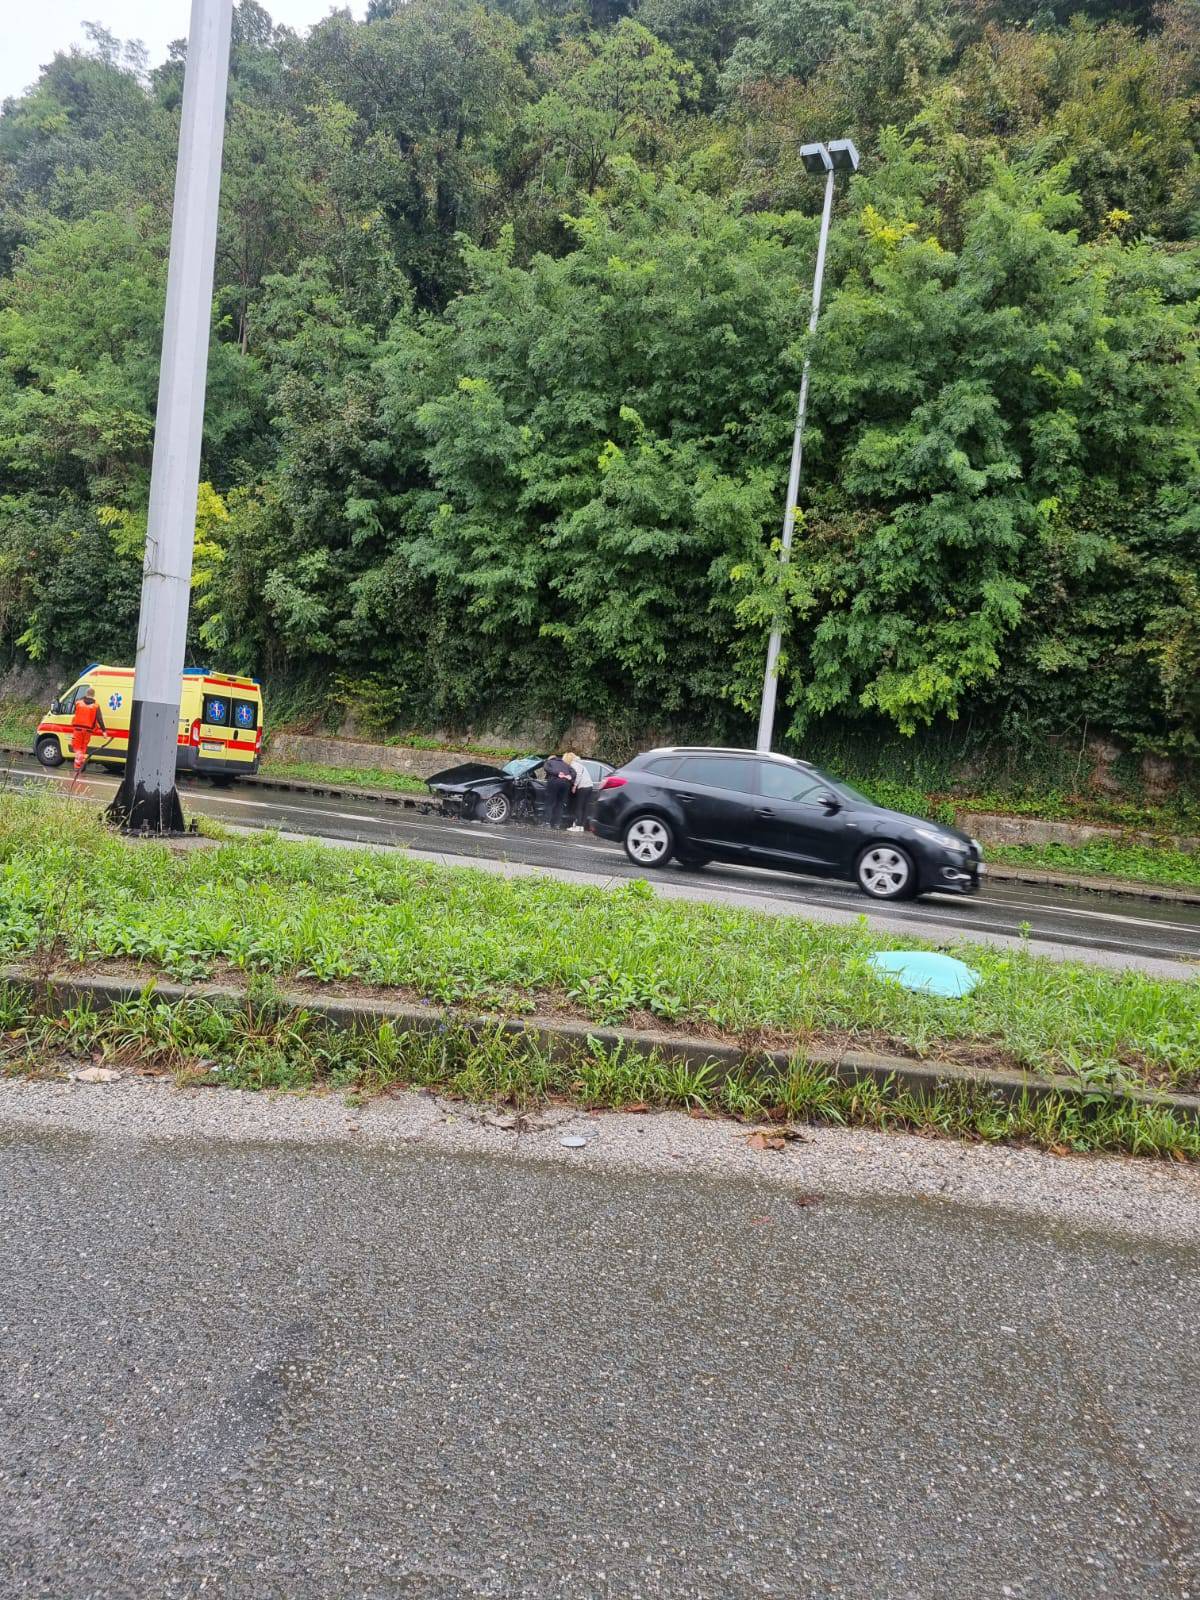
(496, 808)
(885, 872)
(648, 842)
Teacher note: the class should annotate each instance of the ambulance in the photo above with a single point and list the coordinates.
(220, 722)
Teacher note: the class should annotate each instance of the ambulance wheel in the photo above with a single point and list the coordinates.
(111, 766)
(49, 751)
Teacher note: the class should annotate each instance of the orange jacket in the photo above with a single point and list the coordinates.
(87, 718)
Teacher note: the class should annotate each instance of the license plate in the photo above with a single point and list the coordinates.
(213, 745)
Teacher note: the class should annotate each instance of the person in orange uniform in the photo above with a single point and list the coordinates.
(86, 721)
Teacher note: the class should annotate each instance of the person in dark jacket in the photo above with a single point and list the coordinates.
(560, 780)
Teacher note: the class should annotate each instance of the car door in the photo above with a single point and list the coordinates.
(794, 827)
(716, 796)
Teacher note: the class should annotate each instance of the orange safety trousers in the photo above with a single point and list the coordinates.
(83, 726)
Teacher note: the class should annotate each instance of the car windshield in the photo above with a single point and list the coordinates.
(840, 786)
(521, 766)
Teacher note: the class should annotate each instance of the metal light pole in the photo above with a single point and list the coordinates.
(837, 156)
(146, 800)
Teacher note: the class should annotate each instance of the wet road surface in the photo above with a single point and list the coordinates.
(308, 1373)
(1109, 929)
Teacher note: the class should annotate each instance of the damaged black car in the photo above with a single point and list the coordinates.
(515, 792)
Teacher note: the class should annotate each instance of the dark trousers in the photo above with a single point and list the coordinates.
(559, 798)
(583, 803)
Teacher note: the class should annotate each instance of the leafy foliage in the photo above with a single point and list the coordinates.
(508, 324)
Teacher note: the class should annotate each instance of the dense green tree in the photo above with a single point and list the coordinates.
(508, 321)
(1012, 419)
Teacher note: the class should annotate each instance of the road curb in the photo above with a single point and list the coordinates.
(566, 1039)
(1034, 876)
(1120, 888)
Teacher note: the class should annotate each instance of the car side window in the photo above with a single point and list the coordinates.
(664, 767)
(718, 772)
(67, 703)
(777, 782)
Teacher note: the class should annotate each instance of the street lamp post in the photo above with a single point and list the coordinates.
(828, 159)
(146, 800)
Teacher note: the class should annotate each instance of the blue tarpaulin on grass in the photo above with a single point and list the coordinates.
(925, 972)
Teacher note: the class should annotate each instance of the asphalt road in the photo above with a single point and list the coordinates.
(1109, 930)
(306, 1372)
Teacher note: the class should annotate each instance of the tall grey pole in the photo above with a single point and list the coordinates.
(146, 800)
(766, 715)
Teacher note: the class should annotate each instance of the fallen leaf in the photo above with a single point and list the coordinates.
(806, 1199)
(1060, 1150)
(96, 1075)
(766, 1141)
(700, 1114)
(638, 1108)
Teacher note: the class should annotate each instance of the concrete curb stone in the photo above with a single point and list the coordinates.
(561, 1037)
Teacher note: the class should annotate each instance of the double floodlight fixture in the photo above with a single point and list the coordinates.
(839, 155)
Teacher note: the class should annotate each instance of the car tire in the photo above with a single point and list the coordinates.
(886, 872)
(649, 841)
(112, 766)
(49, 751)
(695, 863)
(496, 809)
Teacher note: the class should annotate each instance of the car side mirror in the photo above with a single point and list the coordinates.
(830, 802)
(56, 708)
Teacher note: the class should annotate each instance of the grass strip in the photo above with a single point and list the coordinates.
(73, 894)
(1135, 863)
(349, 777)
(18, 722)
(264, 1045)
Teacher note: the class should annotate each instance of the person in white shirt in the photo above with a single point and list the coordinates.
(582, 790)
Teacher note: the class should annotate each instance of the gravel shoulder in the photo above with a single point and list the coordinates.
(1107, 1194)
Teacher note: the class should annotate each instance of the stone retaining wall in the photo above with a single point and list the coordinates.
(1032, 830)
(330, 752)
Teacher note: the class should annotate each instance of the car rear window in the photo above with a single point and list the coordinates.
(718, 772)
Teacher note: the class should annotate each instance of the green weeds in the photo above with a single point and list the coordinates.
(345, 777)
(18, 719)
(262, 1044)
(1138, 863)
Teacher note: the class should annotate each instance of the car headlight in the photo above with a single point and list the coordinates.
(946, 841)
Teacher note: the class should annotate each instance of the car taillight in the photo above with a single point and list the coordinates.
(614, 782)
(194, 736)
(257, 741)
